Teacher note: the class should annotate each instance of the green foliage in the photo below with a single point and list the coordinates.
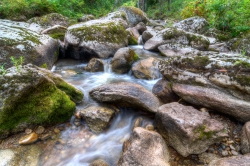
(17, 62)
(2, 69)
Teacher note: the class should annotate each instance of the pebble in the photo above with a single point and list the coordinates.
(230, 142)
(224, 153)
(28, 131)
(223, 146)
(45, 137)
(137, 123)
(150, 127)
(40, 130)
(232, 147)
(56, 130)
(28, 139)
(78, 115)
(234, 153)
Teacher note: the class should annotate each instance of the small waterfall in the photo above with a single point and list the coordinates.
(107, 65)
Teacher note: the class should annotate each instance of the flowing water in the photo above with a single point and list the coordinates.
(83, 146)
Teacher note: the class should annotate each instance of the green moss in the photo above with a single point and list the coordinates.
(132, 41)
(198, 62)
(40, 106)
(44, 66)
(204, 134)
(244, 80)
(59, 35)
(136, 57)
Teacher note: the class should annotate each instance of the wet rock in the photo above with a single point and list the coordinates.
(138, 123)
(171, 50)
(86, 17)
(163, 90)
(147, 69)
(95, 39)
(232, 161)
(134, 15)
(134, 32)
(95, 65)
(245, 138)
(148, 34)
(34, 92)
(150, 127)
(193, 24)
(18, 40)
(216, 81)
(97, 117)
(40, 130)
(123, 60)
(126, 94)
(28, 139)
(77, 122)
(188, 130)
(145, 148)
(99, 162)
(141, 27)
(177, 36)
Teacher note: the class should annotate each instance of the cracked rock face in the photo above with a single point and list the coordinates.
(188, 130)
(222, 81)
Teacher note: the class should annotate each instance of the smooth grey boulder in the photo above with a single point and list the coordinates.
(31, 96)
(123, 60)
(134, 15)
(95, 39)
(147, 69)
(95, 65)
(194, 24)
(126, 94)
(243, 160)
(144, 148)
(188, 130)
(177, 36)
(18, 40)
(97, 117)
(149, 33)
(245, 138)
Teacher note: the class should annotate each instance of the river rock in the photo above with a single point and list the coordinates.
(86, 17)
(147, 69)
(95, 65)
(134, 15)
(133, 32)
(118, 16)
(148, 34)
(141, 27)
(137, 123)
(126, 94)
(194, 24)
(99, 162)
(243, 160)
(163, 90)
(31, 96)
(245, 138)
(188, 130)
(177, 36)
(18, 40)
(39, 130)
(95, 38)
(145, 148)
(123, 60)
(216, 81)
(97, 117)
(28, 139)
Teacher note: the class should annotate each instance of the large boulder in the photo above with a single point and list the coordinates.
(243, 160)
(141, 27)
(147, 69)
(95, 38)
(95, 65)
(216, 81)
(31, 96)
(134, 15)
(18, 40)
(177, 36)
(126, 94)
(245, 138)
(97, 117)
(188, 130)
(118, 16)
(123, 60)
(145, 148)
(193, 24)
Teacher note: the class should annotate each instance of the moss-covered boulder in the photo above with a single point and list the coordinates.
(241, 45)
(218, 81)
(118, 16)
(95, 38)
(18, 40)
(177, 36)
(134, 15)
(31, 96)
(123, 60)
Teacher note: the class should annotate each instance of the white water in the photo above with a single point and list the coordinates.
(86, 146)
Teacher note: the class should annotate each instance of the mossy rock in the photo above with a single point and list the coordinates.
(18, 40)
(241, 45)
(95, 38)
(33, 96)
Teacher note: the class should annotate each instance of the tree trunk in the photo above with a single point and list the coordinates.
(169, 5)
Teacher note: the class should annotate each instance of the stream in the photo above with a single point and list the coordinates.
(85, 146)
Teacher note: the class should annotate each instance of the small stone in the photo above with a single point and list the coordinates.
(56, 130)
(223, 146)
(77, 122)
(211, 150)
(60, 141)
(230, 142)
(138, 123)
(78, 115)
(45, 137)
(234, 153)
(224, 153)
(99, 162)
(150, 127)
(228, 148)
(230, 152)
(232, 147)
(40, 130)
(28, 139)
(237, 139)
(28, 131)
